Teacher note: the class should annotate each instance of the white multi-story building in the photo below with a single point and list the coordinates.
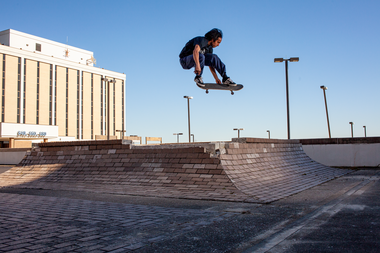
(53, 91)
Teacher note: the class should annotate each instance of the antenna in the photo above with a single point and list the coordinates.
(91, 60)
(67, 47)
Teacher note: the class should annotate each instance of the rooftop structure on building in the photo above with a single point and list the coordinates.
(31, 43)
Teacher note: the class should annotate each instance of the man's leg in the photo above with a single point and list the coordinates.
(188, 62)
(214, 61)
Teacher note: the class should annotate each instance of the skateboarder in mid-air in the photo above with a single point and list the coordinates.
(198, 52)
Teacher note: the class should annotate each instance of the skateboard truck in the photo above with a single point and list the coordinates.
(232, 93)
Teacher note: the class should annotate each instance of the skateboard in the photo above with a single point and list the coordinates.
(215, 86)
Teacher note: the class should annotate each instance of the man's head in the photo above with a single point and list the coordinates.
(214, 37)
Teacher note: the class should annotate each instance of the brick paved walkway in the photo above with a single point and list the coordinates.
(51, 224)
(334, 215)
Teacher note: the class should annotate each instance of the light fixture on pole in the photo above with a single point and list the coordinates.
(121, 133)
(178, 134)
(188, 113)
(365, 131)
(238, 129)
(352, 129)
(268, 134)
(324, 88)
(293, 59)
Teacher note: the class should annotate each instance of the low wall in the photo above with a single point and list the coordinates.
(244, 170)
(344, 152)
(12, 155)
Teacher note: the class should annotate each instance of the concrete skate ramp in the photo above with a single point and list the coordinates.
(244, 170)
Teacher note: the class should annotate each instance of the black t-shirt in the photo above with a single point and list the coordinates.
(190, 45)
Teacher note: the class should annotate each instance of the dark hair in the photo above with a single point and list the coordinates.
(214, 34)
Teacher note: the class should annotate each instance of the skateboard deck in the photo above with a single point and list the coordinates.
(215, 86)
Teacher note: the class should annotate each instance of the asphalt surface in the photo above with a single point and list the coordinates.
(342, 215)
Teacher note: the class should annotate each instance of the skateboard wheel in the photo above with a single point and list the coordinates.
(207, 91)
(232, 93)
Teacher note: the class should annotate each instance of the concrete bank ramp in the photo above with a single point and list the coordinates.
(244, 170)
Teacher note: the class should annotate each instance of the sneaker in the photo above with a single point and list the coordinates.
(229, 82)
(199, 81)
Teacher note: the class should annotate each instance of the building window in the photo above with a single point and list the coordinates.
(106, 106)
(101, 107)
(67, 102)
(122, 105)
(92, 106)
(38, 94)
(78, 105)
(81, 106)
(19, 90)
(55, 96)
(3, 92)
(51, 95)
(24, 94)
(38, 47)
(114, 109)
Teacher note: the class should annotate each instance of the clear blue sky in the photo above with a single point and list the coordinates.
(337, 42)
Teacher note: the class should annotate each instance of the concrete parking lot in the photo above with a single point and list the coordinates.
(341, 215)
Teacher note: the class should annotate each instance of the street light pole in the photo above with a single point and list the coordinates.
(121, 133)
(238, 129)
(108, 81)
(352, 129)
(178, 134)
(293, 59)
(188, 114)
(287, 98)
(268, 134)
(365, 131)
(324, 88)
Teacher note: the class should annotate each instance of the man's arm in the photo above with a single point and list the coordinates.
(198, 69)
(217, 80)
